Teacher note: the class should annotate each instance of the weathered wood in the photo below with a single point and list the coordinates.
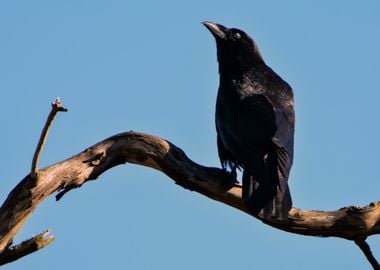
(349, 222)
(26, 247)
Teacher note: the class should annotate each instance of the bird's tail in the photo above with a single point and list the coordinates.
(265, 189)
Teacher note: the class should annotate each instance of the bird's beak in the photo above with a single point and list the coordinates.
(217, 30)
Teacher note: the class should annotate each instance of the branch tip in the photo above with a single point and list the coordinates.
(26, 247)
(57, 105)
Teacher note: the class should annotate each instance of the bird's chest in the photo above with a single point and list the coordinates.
(244, 117)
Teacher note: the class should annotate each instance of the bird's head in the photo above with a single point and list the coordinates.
(235, 49)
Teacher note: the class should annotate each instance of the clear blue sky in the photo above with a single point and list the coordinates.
(151, 66)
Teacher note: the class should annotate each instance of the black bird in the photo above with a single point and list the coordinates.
(254, 122)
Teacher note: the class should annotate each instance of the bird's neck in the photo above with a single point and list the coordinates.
(235, 69)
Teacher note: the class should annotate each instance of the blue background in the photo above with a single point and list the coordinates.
(151, 67)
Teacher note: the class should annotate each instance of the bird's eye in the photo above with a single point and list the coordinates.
(237, 35)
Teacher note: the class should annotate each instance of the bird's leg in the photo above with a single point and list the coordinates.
(233, 173)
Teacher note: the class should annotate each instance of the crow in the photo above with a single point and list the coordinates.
(254, 122)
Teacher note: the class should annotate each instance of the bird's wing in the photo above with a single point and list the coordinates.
(284, 116)
(225, 156)
(284, 136)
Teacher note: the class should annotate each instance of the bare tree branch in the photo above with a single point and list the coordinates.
(55, 108)
(363, 245)
(25, 248)
(350, 223)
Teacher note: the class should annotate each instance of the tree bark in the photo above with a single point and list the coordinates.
(352, 223)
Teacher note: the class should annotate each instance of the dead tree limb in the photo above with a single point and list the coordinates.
(350, 223)
(26, 247)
